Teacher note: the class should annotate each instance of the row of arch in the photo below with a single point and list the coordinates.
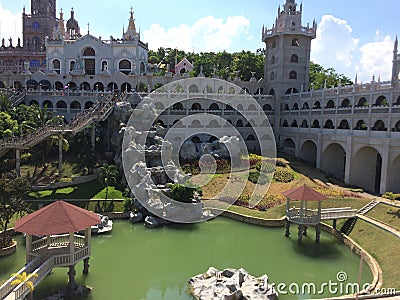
(84, 86)
(125, 66)
(379, 125)
(362, 102)
(215, 124)
(62, 105)
(214, 107)
(367, 160)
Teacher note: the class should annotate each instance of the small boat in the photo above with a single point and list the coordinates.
(104, 226)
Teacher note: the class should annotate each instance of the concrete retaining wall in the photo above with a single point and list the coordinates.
(347, 241)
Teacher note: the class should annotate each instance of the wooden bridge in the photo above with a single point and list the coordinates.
(311, 216)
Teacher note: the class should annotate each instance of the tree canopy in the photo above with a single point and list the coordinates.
(229, 65)
(319, 75)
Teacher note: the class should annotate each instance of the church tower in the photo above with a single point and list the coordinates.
(39, 24)
(287, 55)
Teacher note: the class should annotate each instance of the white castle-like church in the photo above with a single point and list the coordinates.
(350, 132)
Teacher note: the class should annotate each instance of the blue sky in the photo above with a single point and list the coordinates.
(354, 37)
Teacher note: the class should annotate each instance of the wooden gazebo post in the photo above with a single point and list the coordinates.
(303, 216)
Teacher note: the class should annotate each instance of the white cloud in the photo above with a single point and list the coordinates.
(206, 34)
(336, 46)
(10, 25)
(376, 59)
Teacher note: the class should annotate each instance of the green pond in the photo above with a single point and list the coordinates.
(133, 262)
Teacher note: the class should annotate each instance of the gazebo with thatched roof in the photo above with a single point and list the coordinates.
(303, 216)
(57, 227)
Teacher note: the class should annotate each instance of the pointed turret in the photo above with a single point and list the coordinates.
(131, 33)
(61, 23)
(132, 25)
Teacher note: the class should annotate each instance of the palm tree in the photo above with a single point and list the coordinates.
(24, 278)
(107, 175)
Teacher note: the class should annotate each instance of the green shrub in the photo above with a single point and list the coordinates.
(182, 193)
(258, 178)
(283, 176)
(129, 204)
(265, 167)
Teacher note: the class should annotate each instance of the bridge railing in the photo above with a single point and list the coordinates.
(99, 111)
(7, 288)
(22, 289)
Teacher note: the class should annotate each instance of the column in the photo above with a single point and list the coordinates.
(287, 233)
(317, 233)
(93, 137)
(71, 278)
(385, 166)
(60, 155)
(349, 157)
(18, 161)
(319, 151)
(300, 234)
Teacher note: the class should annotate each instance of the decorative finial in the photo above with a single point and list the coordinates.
(88, 27)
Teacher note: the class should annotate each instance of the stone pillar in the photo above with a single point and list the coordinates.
(300, 234)
(349, 158)
(319, 151)
(60, 155)
(385, 166)
(317, 233)
(305, 230)
(108, 134)
(71, 278)
(18, 161)
(86, 266)
(93, 137)
(28, 243)
(287, 233)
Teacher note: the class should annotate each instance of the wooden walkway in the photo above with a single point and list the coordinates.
(50, 254)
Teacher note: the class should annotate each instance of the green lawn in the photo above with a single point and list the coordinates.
(384, 247)
(90, 190)
(386, 214)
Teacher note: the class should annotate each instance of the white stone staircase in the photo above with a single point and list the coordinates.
(363, 210)
(99, 112)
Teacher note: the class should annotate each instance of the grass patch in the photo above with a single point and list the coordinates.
(386, 214)
(89, 190)
(272, 213)
(383, 247)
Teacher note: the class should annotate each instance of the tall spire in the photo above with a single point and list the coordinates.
(61, 23)
(132, 25)
(396, 44)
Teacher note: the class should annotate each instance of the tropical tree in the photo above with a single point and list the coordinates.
(319, 76)
(12, 189)
(24, 278)
(108, 175)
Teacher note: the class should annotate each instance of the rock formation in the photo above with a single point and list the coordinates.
(231, 284)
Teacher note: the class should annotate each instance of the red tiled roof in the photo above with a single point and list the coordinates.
(304, 193)
(57, 218)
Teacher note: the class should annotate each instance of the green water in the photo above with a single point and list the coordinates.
(137, 263)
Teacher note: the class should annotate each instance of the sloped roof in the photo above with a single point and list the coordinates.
(57, 218)
(304, 193)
